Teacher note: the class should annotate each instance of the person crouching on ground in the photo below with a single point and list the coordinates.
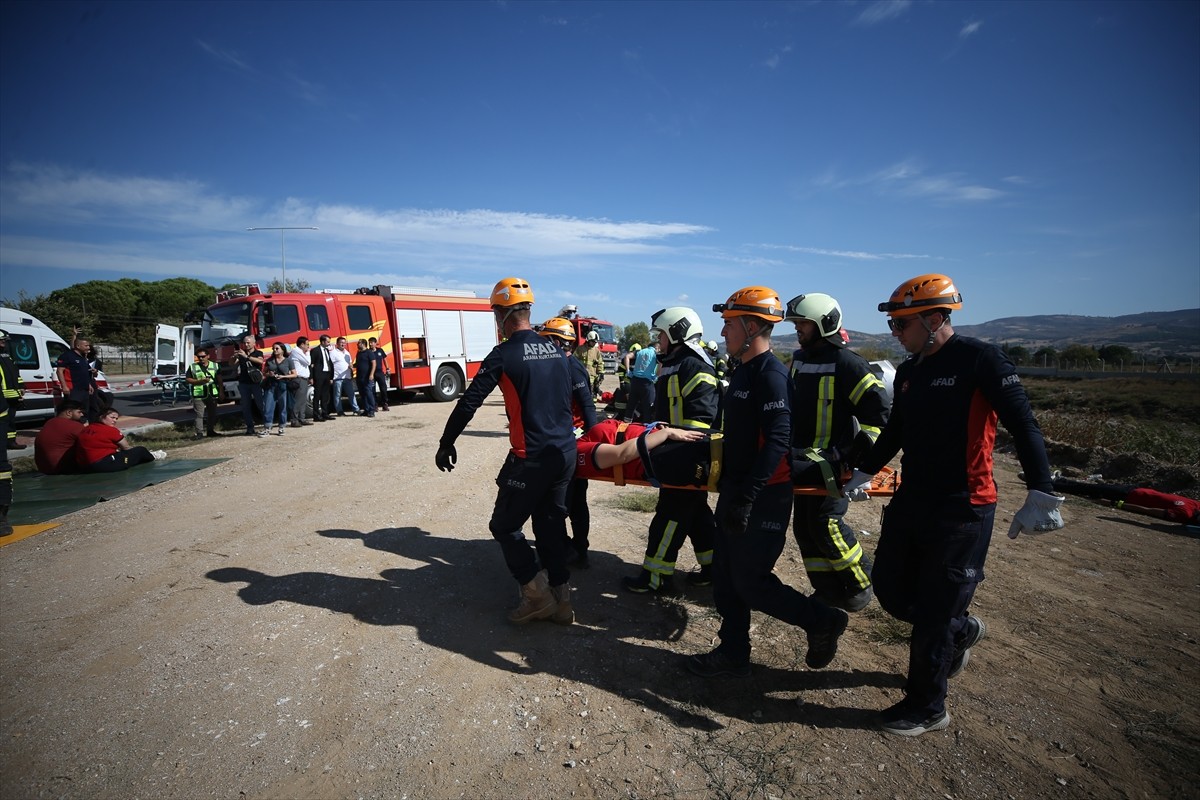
(102, 447)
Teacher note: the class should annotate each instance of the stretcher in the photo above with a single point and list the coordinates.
(884, 484)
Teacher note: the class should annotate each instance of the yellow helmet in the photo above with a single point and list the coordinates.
(511, 292)
(633, 348)
(752, 301)
(557, 326)
(922, 293)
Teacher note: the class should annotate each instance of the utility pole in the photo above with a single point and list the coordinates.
(282, 257)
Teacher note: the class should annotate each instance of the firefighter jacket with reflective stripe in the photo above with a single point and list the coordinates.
(831, 385)
(686, 393)
(10, 382)
(944, 413)
(199, 371)
(589, 355)
(583, 408)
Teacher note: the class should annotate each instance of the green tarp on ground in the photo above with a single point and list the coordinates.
(38, 497)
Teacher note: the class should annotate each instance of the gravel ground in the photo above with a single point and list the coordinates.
(323, 617)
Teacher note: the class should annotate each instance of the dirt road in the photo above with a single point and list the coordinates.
(323, 617)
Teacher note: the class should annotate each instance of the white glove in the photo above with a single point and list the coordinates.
(1039, 514)
(853, 489)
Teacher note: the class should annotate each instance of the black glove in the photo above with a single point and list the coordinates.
(736, 517)
(446, 458)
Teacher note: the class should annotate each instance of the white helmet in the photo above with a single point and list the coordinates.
(711, 346)
(679, 323)
(818, 308)
(593, 337)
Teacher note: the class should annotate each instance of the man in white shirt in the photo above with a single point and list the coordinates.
(303, 366)
(343, 377)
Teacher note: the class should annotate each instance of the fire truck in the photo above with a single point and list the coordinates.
(604, 329)
(434, 339)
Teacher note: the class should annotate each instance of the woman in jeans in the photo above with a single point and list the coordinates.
(278, 371)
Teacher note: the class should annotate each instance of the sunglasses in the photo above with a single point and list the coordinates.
(899, 324)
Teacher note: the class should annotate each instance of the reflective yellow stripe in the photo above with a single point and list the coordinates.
(826, 565)
(868, 382)
(871, 430)
(824, 432)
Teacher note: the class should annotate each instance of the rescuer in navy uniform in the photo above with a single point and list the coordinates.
(535, 379)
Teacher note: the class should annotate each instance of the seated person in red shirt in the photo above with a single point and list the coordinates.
(54, 447)
(102, 447)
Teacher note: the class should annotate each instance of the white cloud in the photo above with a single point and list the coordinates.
(182, 227)
(970, 28)
(907, 178)
(858, 255)
(226, 57)
(882, 11)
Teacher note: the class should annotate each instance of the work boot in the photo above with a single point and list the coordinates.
(648, 582)
(716, 664)
(823, 642)
(565, 615)
(537, 601)
(701, 577)
(6, 527)
(848, 602)
(973, 633)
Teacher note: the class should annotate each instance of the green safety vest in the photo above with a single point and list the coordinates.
(204, 389)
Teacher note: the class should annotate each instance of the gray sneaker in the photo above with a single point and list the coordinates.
(915, 726)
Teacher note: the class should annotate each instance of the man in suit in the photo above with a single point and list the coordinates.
(322, 379)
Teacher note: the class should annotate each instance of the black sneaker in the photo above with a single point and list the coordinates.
(649, 583)
(974, 632)
(717, 665)
(577, 559)
(912, 725)
(701, 577)
(822, 644)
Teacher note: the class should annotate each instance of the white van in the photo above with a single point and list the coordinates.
(35, 349)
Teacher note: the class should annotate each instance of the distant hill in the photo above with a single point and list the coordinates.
(1153, 333)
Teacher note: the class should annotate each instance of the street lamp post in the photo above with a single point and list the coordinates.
(282, 256)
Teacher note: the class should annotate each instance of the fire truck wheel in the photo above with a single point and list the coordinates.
(447, 386)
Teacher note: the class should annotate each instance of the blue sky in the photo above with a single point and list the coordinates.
(619, 156)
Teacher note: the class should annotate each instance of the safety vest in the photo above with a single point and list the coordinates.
(205, 389)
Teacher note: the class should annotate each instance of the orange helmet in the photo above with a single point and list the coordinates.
(753, 301)
(557, 326)
(511, 292)
(922, 293)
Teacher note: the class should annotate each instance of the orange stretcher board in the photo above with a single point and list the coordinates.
(884, 484)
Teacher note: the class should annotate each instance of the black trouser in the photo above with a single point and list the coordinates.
(929, 560)
(680, 514)
(580, 514)
(641, 400)
(322, 396)
(534, 489)
(6, 494)
(1094, 491)
(744, 577)
(833, 558)
(121, 460)
(381, 390)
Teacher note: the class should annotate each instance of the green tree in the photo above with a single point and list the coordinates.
(114, 303)
(60, 316)
(1079, 356)
(874, 353)
(1045, 357)
(169, 300)
(1017, 352)
(1115, 355)
(634, 332)
(276, 286)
